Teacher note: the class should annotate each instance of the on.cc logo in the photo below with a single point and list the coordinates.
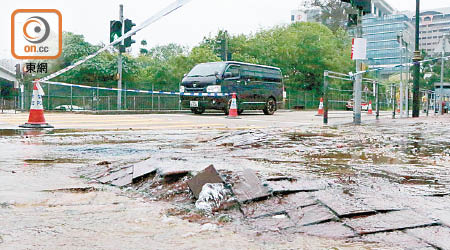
(39, 29)
(36, 34)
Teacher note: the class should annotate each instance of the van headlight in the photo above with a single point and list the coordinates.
(214, 89)
(182, 89)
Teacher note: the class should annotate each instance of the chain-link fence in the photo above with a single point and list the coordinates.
(9, 103)
(337, 99)
(81, 99)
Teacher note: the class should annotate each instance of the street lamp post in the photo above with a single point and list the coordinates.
(417, 58)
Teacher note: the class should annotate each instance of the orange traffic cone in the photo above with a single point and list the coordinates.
(36, 118)
(369, 109)
(233, 113)
(320, 111)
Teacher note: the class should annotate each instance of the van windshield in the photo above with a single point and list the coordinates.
(207, 69)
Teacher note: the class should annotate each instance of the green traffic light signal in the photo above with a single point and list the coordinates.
(115, 30)
(364, 5)
(128, 26)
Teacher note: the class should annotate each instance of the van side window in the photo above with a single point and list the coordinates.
(234, 70)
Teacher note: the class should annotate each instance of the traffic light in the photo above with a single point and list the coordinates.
(18, 71)
(352, 20)
(364, 5)
(115, 30)
(128, 26)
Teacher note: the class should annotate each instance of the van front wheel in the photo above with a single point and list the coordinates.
(270, 107)
(198, 111)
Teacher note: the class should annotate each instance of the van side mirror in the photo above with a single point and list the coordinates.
(184, 75)
(227, 75)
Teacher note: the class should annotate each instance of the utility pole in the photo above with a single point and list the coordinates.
(407, 83)
(402, 96)
(377, 89)
(394, 99)
(417, 58)
(358, 78)
(441, 92)
(325, 97)
(119, 64)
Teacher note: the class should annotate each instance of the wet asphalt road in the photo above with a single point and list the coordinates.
(399, 166)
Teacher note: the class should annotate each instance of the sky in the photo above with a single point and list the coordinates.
(186, 26)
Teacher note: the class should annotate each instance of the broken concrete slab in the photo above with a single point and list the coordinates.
(438, 236)
(280, 178)
(208, 175)
(115, 175)
(173, 175)
(123, 181)
(143, 168)
(343, 205)
(397, 239)
(249, 187)
(287, 187)
(263, 208)
(384, 222)
(335, 230)
(311, 215)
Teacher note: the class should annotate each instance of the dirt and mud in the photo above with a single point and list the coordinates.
(384, 185)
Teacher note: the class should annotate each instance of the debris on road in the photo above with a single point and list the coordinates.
(211, 197)
(171, 176)
(73, 190)
(208, 175)
(102, 163)
(293, 186)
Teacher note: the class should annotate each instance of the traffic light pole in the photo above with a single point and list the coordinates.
(416, 59)
(358, 78)
(325, 97)
(119, 65)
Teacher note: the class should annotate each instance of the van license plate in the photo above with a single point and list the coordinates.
(194, 104)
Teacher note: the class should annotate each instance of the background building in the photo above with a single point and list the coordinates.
(305, 15)
(434, 24)
(384, 28)
(383, 36)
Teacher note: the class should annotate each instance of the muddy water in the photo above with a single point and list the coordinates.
(400, 161)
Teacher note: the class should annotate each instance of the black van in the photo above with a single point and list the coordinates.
(257, 87)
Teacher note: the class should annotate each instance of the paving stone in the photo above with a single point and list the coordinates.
(208, 175)
(333, 229)
(397, 239)
(263, 208)
(343, 205)
(272, 223)
(115, 175)
(380, 203)
(286, 187)
(249, 187)
(298, 200)
(437, 236)
(311, 215)
(383, 222)
(442, 215)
